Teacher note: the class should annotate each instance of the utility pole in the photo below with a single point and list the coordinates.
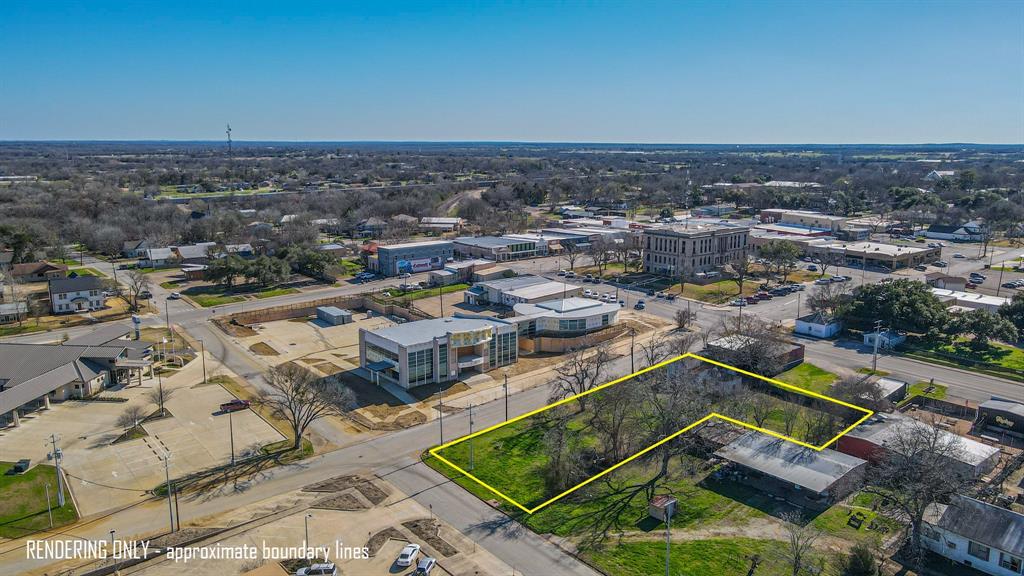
(440, 296)
(632, 344)
(167, 476)
(506, 396)
(798, 295)
(440, 415)
(228, 131)
(231, 432)
(202, 346)
(471, 440)
(668, 538)
(878, 336)
(56, 461)
(305, 521)
(49, 509)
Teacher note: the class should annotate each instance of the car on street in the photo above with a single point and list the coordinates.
(933, 245)
(940, 244)
(639, 305)
(751, 300)
(822, 281)
(940, 263)
(234, 405)
(561, 272)
(921, 268)
(607, 297)
(780, 291)
(174, 296)
(738, 302)
(588, 293)
(958, 255)
(670, 296)
(1009, 284)
(145, 295)
(622, 302)
(321, 569)
(812, 267)
(570, 274)
(799, 287)
(978, 275)
(408, 555)
(970, 285)
(424, 566)
(659, 294)
(588, 278)
(404, 275)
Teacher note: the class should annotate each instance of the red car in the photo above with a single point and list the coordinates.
(752, 300)
(972, 285)
(763, 296)
(234, 405)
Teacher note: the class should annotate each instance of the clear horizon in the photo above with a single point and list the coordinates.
(785, 73)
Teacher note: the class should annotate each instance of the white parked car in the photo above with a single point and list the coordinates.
(408, 555)
(738, 302)
(424, 566)
(324, 569)
(588, 293)
(174, 296)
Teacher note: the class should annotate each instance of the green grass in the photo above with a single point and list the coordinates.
(809, 377)
(275, 292)
(918, 389)
(835, 520)
(287, 454)
(207, 301)
(25, 328)
(87, 272)
(871, 372)
(23, 505)
(170, 285)
(428, 292)
(723, 556)
(350, 267)
(999, 359)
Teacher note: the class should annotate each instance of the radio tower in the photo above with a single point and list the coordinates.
(229, 139)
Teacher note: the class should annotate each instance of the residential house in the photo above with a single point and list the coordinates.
(134, 248)
(977, 534)
(196, 253)
(157, 258)
(802, 476)
(13, 312)
(969, 232)
(818, 325)
(738, 350)
(945, 281)
(38, 271)
(439, 224)
(886, 340)
(936, 175)
(80, 294)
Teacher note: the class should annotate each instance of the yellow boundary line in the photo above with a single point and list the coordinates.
(435, 451)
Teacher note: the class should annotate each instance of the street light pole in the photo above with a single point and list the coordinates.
(632, 343)
(440, 416)
(202, 346)
(167, 476)
(49, 509)
(306, 522)
(56, 462)
(878, 336)
(506, 396)
(231, 432)
(471, 462)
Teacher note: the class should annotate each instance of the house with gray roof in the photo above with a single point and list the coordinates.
(78, 294)
(977, 534)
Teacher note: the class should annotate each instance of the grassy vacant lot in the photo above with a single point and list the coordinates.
(938, 391)
(693, 558)
(428, 292)
(809, 377)
(836, 521)
(999, 359)
(87, 272)
(23, 505)
(215, 295)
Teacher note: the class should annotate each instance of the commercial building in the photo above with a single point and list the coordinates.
(497, 248)
(856, 254)
(1001, 416)
(411, 257)
(511, 291)
(333, 315)
(802, 476)
(818, 325)
(977, 534)
(969, 232)
(687, 250)
(437, 350)
(465, 269)
(945, 281)
(564, 318)
(440, 224)
(970, 299)
(804, 219)
(880, 433)
(33, 375)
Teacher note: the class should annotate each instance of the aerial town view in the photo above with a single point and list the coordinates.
(620, 288)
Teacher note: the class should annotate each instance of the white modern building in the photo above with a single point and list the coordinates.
(976, 534)
(569, 317)
(512, 291)
(437, 350)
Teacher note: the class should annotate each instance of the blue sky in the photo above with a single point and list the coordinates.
(686, 72)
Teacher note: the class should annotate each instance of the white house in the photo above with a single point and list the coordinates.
(80, 294)
(969, 232)
(976, 534)
(886, 339)
(936, 175)
(818, 325)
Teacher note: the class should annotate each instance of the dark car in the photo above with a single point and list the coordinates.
(752, 300)
(234, 405)
(21, 466)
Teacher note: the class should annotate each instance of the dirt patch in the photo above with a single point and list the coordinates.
(420, 392)
(310, 361)
(232, 329)
(328, 368)
(378, 540)
(427, 530)
(345, 501)
(302, 319)
(371, 492)
(410, 419)
(364, 485)
(263, 349)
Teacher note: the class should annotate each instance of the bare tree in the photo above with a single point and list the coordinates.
(571, 253)
(682, 342)
(656, 350)
(802, 536)
(740, 270)
(158, 396)
(832, 299)
(300, 398)
(136, 284)
(600, 252)
(584, 369)
(861, 390)
(918, 470)
(789, 412)
(131, 416)
(683, 318)
(761, 406)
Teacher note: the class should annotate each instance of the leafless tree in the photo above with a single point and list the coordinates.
(683, 318)
(789, 412)
(159, 396)
(600, 252)
(300, 398)
(831, 299)
(656, 349)
(753, 345)
(802, 536)
(740, 271)
(919, 469)
(136, 284)
(861, 390)
(682, 342)
(131, 416)
(584, 369)
(761, 406)
(571, 253)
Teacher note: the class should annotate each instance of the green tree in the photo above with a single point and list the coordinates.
(781, 255)
(984, 326)
(859, 562)
(1014, 311)
(902, 305)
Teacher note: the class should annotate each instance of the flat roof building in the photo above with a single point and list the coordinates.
(568, 317)
(686, 250)
(520, 289)
(437, 350)
(497, 248)
(412, 257)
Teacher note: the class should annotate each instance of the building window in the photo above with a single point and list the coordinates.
(1011, 563)
(421, 366)
(604, 319)
(442, 360)
(979, 551)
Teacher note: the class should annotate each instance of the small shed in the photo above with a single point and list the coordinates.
(442, 277)
(333, 315)
(661, 507)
